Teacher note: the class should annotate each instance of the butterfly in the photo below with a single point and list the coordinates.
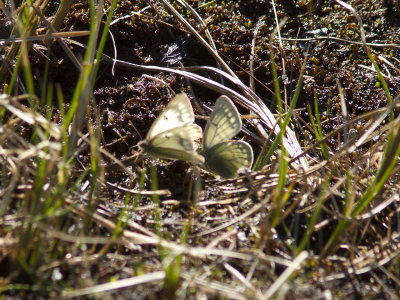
(225, 157)
(173, 133)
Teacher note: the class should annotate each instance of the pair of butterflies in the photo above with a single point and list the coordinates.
(173, 135)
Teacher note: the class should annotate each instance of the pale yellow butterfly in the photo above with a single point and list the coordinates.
(173, 133)
(225, 157)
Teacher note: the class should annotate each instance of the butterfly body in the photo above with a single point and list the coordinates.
(223, 156)
(173, 133)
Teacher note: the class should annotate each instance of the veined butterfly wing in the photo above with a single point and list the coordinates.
(175, 143)
(178, 112)
(224, 123)
(226, 158)
(172, 134)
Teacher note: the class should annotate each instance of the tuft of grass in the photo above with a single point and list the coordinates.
(318, 128)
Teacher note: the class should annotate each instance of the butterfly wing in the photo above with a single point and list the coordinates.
(226, 158)
(175, 143)
(224, 123)
(178, 112)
